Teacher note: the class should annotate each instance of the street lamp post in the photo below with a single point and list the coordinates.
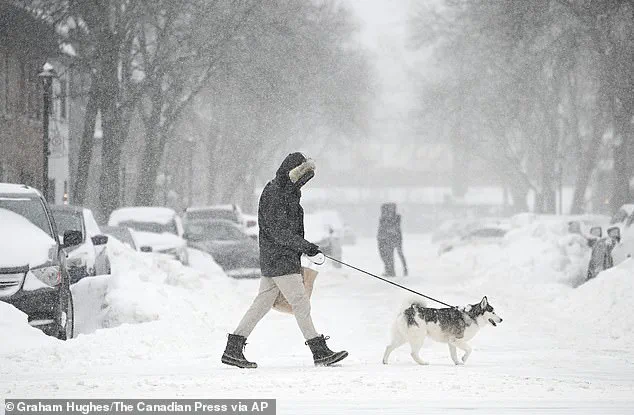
(47, 75)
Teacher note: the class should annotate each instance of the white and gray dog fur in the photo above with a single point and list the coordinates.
(454, 326)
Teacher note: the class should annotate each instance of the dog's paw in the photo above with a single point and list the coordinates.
(459, 363)
(464, 358)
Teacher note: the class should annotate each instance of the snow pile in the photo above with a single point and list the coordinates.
(538, 256)
(27, 244)
(18, 335)
(604, 305)
(148, 287)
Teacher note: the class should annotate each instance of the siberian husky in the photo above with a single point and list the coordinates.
(454, 326)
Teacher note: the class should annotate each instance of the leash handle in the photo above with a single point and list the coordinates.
(388, 281)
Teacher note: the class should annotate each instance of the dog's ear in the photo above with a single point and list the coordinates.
(484, 302)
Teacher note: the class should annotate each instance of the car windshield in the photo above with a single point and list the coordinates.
(155, 227)
(214, 231)
(67, 221)
(488, 233)
(213, 214)
(31, 208)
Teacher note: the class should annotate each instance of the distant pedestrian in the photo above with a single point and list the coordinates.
(282, 243)
(390, 237)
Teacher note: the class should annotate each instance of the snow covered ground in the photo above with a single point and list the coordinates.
(156, 329)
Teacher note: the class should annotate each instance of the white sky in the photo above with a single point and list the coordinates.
(384, 32)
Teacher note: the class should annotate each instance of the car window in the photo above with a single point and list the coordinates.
(215, 231)
(31, 208)
(68, 221)
(619, 217)
(155, 227)
(122, 234)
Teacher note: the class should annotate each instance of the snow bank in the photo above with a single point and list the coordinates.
(17, 334)
(604, 305)
(23, 243)
(535, 251)
(145, 288)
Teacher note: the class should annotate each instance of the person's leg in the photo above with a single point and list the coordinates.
(389, 260)
(385, 257)
(292, 287)
(261, 305)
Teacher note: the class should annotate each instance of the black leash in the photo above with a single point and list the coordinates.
(388, 281)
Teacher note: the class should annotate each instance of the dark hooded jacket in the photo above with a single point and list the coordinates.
(281, 219)
(390, 226)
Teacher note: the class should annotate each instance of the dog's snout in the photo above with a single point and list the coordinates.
(501, 320)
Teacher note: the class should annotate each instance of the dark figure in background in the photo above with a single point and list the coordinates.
(390, 237)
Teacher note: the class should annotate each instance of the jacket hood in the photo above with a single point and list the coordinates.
(295, 170)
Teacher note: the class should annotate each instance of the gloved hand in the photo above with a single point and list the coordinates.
(312, 250)
(318, 259)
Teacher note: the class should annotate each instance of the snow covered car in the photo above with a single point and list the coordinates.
(236, 252)
(623, 220)
(156, 229)
(123, 234)
(90, 257)
(33, 274)
(231, 213)
(484, 235)
(320, 231)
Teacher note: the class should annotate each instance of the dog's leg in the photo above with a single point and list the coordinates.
(416, 344)
(397, 341)
(467, 350)
(454, 355)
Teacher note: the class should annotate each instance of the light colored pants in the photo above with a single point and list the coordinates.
(292, 287)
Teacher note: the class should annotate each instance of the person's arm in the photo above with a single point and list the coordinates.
(272, 224)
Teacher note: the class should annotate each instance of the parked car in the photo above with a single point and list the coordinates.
(236, 252)
(623, 220)
(123, 234)
(156, 229)
(33, 272)
(90, 257)
(231, 213)
(484, 235)
(320, 231)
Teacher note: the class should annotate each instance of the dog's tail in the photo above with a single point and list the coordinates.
(413, 301)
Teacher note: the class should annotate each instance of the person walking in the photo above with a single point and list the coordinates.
(389, 238)
(282, 243)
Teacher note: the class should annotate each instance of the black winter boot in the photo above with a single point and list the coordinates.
(322, 355)
(233, 353)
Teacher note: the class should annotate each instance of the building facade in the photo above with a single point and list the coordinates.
(26, 44)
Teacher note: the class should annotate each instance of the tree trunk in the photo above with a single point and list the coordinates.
(622, 169)
(152, 151)
(586, 167)
(85, 149)
(112, 124)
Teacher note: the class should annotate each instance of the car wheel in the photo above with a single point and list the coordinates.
(66, 318)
